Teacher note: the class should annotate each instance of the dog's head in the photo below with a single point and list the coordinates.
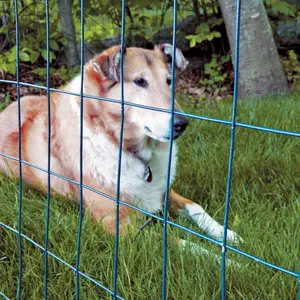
(147, 81)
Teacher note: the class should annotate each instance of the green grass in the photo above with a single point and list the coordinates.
(264, 210)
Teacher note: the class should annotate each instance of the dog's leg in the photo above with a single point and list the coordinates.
(197, 214)
(102, 208)
(199, 250)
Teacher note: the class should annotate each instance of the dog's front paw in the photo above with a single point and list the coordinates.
(234, 237)
(231, 235)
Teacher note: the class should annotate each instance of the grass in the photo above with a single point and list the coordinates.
(264, 210)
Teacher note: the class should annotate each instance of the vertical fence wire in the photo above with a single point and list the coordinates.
(77, 275)
(49, 154)
(19, 290)
(232, 144)
(116, 249)
(171, 126)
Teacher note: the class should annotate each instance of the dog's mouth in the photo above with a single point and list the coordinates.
(162, 138)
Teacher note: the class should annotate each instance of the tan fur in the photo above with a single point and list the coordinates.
(101, 135)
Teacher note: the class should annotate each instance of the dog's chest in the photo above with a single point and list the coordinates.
(102, 158)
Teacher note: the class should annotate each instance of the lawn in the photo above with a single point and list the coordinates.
(264, 210)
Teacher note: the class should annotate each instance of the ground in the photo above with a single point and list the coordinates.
(264, 210)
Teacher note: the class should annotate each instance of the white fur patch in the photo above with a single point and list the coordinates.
(197, 214)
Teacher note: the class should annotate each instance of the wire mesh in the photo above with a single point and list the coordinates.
(232, 123)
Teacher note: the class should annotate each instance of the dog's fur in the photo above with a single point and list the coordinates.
(145, 140)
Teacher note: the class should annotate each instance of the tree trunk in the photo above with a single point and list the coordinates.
(260, 70)
(68, 30)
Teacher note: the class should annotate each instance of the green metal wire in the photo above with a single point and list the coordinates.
(49, 155)
(123, 103)
(19, 291)
(77, 275)
(231, 151)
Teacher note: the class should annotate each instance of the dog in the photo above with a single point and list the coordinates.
(145, 145)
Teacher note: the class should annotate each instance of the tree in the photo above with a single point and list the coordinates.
(260, 70)
(68, 30)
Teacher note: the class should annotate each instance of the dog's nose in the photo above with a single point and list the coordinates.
(180, 125)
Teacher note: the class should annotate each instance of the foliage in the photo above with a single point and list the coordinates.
(204, 32)
(291, 66)
(279, 7)
(32, 33)
(215, 77)
(63, 72)
(103, 19)
(4, 103)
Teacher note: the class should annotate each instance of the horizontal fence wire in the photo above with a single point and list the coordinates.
(192, 116)
(232, 123)
(3, 296)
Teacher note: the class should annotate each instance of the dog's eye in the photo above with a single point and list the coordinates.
(140, 82)
(169, 81)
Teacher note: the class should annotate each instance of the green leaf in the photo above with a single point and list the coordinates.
(39, 71)
(297, 69)
(215, 21)
(52, 55)
(190, 37)
(217, 34)
(12, 54)
(284, 8)
(10, 68)
(203, 28)
(24, 57)
(34, 56)
(54, 45)
(4, 29)
(210, 37)
(225, 59)
(64, 41)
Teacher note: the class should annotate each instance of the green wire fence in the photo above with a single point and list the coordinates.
(232, 123)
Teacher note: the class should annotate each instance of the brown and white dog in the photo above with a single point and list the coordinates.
(147, 82)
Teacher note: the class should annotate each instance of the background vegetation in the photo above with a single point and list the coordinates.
(201, 35)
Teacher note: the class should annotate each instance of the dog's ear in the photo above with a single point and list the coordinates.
(108, 63)
(167, 50)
